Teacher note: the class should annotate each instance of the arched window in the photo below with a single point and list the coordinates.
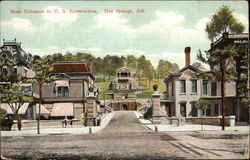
(5, 70)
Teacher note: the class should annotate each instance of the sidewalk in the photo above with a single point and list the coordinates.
(193, 127)
(47, 130)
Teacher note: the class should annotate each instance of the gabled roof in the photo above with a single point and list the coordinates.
(179, 72)
(69, 67)
(124, 69)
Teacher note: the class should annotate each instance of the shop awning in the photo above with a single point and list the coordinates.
(6, 107)
(62, 83)
(23, 108)
(62, 109)
(43, 110)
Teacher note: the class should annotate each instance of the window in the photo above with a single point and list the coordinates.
(217, 109)
(183, 109)
(207, 112)
(62, 91)
(15, 71)
(5, 70)
(26, 90)
(25, 73)
(213, 89)
(194, 86)
(204, 86)
(194, 111)
(183, 86)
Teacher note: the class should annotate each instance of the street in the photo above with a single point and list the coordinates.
(125, 138)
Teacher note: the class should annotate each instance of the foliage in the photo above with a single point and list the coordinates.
(165, 68)
(198, 65)
(43, 67)
(3, 114)
(223, 21)
(202, 104)
(11, 89)
(222, 60)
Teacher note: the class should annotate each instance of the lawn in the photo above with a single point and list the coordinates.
(146, 92)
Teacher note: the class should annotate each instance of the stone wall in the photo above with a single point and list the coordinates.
(207, 121)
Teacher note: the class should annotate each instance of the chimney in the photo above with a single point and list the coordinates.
(91, 65)
(187, 54)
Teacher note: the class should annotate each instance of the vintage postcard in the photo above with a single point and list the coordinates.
(124, 80)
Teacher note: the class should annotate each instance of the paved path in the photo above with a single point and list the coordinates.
(124, 138)
(124, 121)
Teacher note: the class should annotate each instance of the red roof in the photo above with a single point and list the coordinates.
(69, 67)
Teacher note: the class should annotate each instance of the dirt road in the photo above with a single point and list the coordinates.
(125, 138)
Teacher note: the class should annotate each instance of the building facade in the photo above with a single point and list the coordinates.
(184, 89)
(73, 94)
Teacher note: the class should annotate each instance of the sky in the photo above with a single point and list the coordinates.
(160, 30)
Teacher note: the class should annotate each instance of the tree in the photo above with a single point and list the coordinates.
(42, 68)
(223, 21)
(202, 105)
(165, 67)
(222, 60)
(131, 61)
(198, 65)
(11, 90)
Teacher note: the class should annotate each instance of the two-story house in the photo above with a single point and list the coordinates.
(184, 90)
(68, 95)
(11, 50)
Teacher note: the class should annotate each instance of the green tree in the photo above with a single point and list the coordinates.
(141, 67)
(10, 88)
(42, 68)
(165, 67)
(222, 60)
(223, 21)
(198, 65)
(131, 61)
(3, 114)
(202, 105)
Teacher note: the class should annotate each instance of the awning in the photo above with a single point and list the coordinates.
(26, 84)
(6, 107)
(22, 109)
(42, 111)
(62, 83)
(62, 109)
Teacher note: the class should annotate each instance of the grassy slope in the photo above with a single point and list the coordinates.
(144, 94)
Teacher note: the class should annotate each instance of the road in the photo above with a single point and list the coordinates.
(125, 138)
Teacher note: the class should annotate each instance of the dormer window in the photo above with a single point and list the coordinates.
(5, 70)
(15, 71)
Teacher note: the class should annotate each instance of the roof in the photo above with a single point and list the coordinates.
(179, 72)
(16, 52)
(124, 69)
(69, 67)
(230, 39)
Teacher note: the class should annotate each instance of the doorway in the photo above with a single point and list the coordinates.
(125, 107)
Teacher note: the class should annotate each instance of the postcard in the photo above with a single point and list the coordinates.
(124, 80)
